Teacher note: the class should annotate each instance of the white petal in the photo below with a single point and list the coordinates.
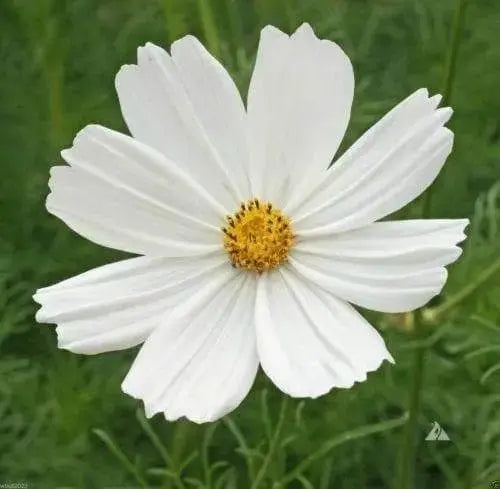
(308, 340)
(117, 306)
(123, 194)
(389, 166)
(202, 361)
(299, 103)
(187, 107)
(391, 266)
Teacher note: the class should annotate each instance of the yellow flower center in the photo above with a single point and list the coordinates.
(258, 237)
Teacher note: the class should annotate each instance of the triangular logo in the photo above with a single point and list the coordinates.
(437, 433)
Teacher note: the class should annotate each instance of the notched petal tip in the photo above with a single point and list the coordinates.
(151, 45)
(305, 29)
(148, 47)
(40, 313)
(420, 92)
(189, 49)
(124, 72)
(41, 317)
(271, 31)
(435, 99)
(65, 153)
(54, 172)
(187, 40)
(127, 388)
(423, 92)
(461, 231)
(149, 53)
(305, 33)
(443, 114)
(149, 409)
(465, 222)
(443, 277)
(389, 358)
(89, 131)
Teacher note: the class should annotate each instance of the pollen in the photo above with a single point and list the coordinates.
(258, 236)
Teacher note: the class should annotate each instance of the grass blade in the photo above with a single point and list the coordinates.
(339, 440)
(120, 456)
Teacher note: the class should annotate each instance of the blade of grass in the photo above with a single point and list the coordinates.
(329, 445)
(266, 418)
(272, 446)
(175, 21)
(493, 369)
(436, 312)
(121, 457)
(209, 27)
(406, 466)
(243, 445)
(155, 440)
(205, 459)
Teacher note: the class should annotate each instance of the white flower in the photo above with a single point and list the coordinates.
(304, 240)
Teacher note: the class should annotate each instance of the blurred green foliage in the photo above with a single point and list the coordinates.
(63, 419)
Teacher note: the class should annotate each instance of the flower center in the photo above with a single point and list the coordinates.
(258, 237)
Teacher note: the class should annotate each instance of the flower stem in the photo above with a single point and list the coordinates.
(450, 70)
(436, 312)
(406, 469)
(338, 440)
(243, 446)
(272, 446)
(209, 26)
(451, 65)
(122, 458)
(407, 461)
(155, 440)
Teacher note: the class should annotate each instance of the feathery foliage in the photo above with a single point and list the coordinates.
(64, 421)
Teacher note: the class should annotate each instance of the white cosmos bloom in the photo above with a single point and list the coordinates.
(302, 254)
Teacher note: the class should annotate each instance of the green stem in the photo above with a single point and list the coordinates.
(209, 26)
(329, 445)
(205, 460)
(243, 445)
(175, 19)
(53, 71)
(406, 467)
(436, 312)
(451, 66)
(408, 452)
(272, 446)
(155, 440)
(121, 457)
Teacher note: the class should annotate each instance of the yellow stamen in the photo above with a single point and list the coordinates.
(258, 236)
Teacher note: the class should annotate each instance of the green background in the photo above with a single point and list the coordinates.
(57, 64)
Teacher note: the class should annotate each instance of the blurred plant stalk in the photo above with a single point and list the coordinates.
(434, 314)
(43, 31)
(209, 26)
(406, 467)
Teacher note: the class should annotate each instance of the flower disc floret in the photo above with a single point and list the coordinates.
(257, 237)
